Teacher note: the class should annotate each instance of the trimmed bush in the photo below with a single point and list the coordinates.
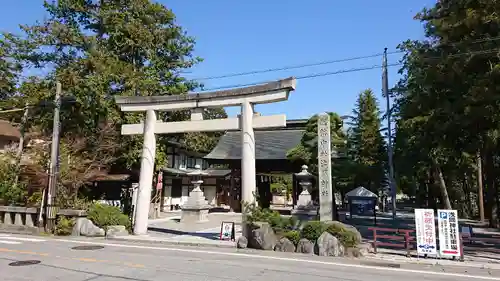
(105, 215)
(64, 226)
(312, 230)
(278, 223)
(347, 237)
(293, 236)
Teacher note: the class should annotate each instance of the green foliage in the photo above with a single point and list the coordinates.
(280, 184)
(293, 236)
(64, 226)
(278, 223)
(312, 230)
(366, 144)
(446, 104)
(11, 192)
(307, 151)
(98, 50)
(104, 216)
(346, 236)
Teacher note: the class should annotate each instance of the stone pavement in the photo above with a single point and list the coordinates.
(169, 230)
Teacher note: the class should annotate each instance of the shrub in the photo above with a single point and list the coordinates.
(64, 226)
(293, 236)
(105, 215)
(312, 230)
(346, 236)
(278, 223)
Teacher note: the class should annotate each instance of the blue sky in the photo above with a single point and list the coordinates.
(240, 36)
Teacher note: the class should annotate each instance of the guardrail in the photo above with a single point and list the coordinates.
(28, 217)
(401, 239)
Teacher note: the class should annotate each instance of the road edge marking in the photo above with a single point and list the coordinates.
(449, 274)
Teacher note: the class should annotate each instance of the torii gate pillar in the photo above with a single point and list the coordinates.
(248, 181)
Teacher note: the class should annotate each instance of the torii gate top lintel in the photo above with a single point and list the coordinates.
(265, 93)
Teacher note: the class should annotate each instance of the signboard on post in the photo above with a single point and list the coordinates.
(227, 231)
(449, 235)
(426, 232)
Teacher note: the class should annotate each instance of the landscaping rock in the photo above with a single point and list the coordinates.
(353, 252)
(262, 237)
(86, 227)
(365, 248)
(305, 246)
(242, 242)
(117, 230)
(284, 245)
(328, 245)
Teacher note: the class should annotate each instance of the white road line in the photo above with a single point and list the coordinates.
(9, 242)
(22, 239)
(286, 259)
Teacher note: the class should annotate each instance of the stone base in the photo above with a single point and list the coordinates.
(305, 213)
(194, 215)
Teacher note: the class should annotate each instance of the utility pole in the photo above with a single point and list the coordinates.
(54, 164)
(385, 90)
(480, 185)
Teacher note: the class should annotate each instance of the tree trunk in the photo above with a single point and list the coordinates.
(442, 188)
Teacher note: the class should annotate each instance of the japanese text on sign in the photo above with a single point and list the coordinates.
(449, 240)
(324, 167)
(426, 231)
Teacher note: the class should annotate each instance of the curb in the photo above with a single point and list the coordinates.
(478, 265)
(173, 243)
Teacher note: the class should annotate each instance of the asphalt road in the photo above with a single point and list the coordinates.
(47, 259)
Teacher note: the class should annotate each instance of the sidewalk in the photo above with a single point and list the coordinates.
(169, 231)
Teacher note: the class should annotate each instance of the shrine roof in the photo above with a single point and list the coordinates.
(269, 144)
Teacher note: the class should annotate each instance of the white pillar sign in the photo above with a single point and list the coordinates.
(325, 168)
(425, 226)
(449, 234)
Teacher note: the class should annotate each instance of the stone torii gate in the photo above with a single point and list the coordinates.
(246, 98)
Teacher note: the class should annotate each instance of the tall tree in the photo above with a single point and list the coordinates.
(447, 102)
(367, 144)
(99, 49)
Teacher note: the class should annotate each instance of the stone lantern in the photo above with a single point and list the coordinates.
(305, 205)
(196, 207)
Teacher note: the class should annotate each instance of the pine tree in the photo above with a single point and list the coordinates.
(367, 144)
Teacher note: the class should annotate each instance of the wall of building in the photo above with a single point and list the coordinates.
(209, 190)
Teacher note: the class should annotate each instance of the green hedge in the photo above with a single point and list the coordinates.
(103, 216)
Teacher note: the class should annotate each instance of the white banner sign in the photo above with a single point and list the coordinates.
(449, 234)
(426, 231)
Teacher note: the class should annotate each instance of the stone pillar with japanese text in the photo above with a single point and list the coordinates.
(325, 168)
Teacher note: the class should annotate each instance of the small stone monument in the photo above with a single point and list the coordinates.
(196, 208)
(305, 205)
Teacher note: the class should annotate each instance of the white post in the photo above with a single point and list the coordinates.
(325, 168)
(248, 182)
(146, 175)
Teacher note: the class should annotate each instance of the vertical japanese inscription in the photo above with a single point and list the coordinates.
(324, 168)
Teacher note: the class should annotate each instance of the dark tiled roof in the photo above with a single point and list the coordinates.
(269, 145)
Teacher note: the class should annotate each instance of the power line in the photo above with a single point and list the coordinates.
(292, 67)
(229, 75)
(321, 74)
